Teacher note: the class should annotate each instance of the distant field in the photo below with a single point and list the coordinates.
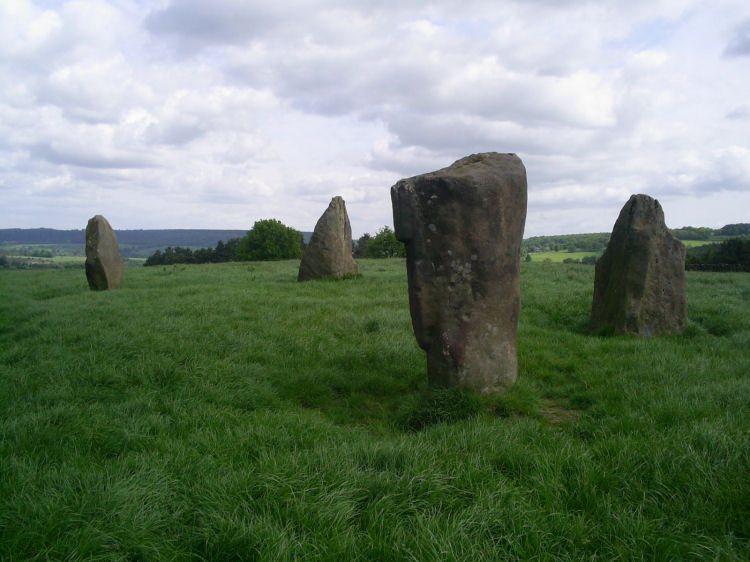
(558, 257)
(694, 243)
(64, 261)
(225, 411)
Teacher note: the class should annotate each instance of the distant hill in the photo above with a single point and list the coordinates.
(167, 237)
(133, 243)
(40, 236)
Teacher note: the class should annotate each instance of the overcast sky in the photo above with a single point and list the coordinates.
(198, 114)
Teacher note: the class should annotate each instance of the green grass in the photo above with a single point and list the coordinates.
(226, 411)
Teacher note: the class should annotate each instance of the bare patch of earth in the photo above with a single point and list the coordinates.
(557, 415)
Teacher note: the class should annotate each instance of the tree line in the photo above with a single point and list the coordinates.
(739, 229)
(593, 242)
(383, 245)
(693, 233)
(223, 252)
(270, 239)
(733, 252)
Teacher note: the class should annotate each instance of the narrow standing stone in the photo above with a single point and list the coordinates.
(329, 253)
(463, 227)
(639, 284)
(103, 262)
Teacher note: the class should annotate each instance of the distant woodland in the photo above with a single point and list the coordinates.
(732, 254)
(595, 242)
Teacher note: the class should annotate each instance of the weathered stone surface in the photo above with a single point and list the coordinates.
(103, 261)
(329, 253)
(639, 284)
(462, 227)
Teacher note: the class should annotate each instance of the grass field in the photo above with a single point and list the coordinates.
(225, 411)
(558, 257)
(62, 261)
(695, 243)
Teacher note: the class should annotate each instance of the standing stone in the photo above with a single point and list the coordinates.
(639, 284)
(103, 262)
(329, 253)
(463, 226)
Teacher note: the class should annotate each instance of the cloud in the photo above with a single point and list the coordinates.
(27, 31)
(739, 44)
(739, 113)
(195, 24)
(94, 91)
(88, 157)
(202, 114)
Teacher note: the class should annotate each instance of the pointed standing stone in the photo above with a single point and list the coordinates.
(103, 262)
(329, 253)
(463, 226)
(639, 284)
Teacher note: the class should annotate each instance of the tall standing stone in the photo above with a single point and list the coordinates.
(103, 262)
(329, 253)
(639, 284)
(463, 227)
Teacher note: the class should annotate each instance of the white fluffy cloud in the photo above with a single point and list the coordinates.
(194, 114)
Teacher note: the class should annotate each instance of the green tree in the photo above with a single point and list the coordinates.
(157, 258)
(731, 251)
(384, 245)
(268, 240)
(361, 245)
(222, 253)
(734, 251)
(171, 256)
(202, 255)
(226, 252)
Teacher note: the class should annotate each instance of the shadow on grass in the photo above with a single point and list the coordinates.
(436, 405)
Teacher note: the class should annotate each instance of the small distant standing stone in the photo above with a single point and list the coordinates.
(103, 261)
(329, 253)
(639, 284)
(462, 227)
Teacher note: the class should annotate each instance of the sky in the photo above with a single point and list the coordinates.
(196, 114)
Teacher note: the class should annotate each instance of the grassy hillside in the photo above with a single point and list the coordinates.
(225, 411)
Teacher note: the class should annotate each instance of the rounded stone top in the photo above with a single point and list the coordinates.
(482, 163)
